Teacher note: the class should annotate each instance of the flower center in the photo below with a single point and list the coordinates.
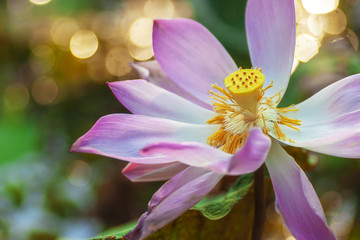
(242, 105)
(244, 86)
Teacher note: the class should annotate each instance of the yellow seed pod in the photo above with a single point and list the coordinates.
(244, 86)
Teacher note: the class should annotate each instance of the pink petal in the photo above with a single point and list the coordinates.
(175, 197)
(296, 199)
(191, 56)
(330, 120)
(151, 71)
(142, 97)
(270, 29)
(138, 172)
(247, 159)
(122, 136)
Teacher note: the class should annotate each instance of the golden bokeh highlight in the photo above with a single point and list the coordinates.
(40, 2)
(43, 59)
(117, 61)
(44, 91)
(315, 20)
(126, 35)
(105, 24)
(159, 9)
(96, 68)
(306, 47)
(140, 54)
(334, 22)
(183, 9)
(62, 30)
(83, 44)
(16, 96)
(132, 11)
(315, 25)
(140, 32)
(300, 13)
(320, 6)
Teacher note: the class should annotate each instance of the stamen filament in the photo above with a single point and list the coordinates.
(278, 131)
(217, 99)
(290, 126)
(219, 96)
(222, 90)
(287, 109)
(290, 120)
(276, 95)
(265, 128)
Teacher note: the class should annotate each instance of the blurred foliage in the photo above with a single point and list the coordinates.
(226, 21)
(18, 136)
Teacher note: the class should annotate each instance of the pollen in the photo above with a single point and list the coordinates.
(242, 105)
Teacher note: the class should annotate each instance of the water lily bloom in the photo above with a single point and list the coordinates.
(197, 117)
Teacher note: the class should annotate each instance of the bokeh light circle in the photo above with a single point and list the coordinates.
(320, 6)
(306, 47)
(83, 44)
(40, 2)
(141, 54)
(62, 30)
(16, 96)
(159, 9)
(334, 22)
(315, 25)
(140, 32)
(44, 91)
(117, 61)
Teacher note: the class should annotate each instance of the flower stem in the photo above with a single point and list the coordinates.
(259, 215)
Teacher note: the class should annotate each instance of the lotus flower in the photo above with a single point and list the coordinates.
(197, 117)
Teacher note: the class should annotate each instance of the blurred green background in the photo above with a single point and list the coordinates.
(55, 59)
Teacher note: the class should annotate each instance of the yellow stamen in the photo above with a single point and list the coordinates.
(220, 89)
(244, 86)
(241, 108)
(278, 132)
(278, 95)
(217, 99)
(290, 120)
(287, 109)
(262, 91)
(219, 96)
(264, 122)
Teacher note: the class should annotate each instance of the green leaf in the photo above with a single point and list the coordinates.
(217, 207)
(193, 225)
(116, 232)
(231, 212)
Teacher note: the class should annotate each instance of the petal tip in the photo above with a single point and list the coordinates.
(109, 83)
(76, 146)
(159, 22)
(127, 172)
